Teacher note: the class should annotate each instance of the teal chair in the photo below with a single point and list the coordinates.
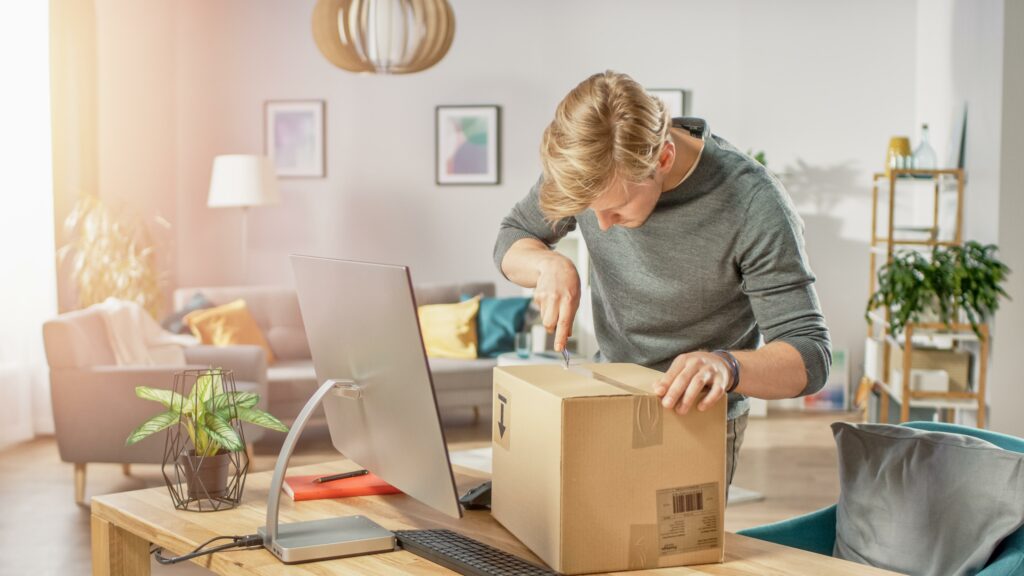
(816, 532)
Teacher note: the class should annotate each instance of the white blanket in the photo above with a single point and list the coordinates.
(137, 339)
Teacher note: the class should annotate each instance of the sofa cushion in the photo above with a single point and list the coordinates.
(924, 502)
(275, 309)
(497, 323)
(175, 322)
(452, 374)
(449, 330)
(226, 325)
(291, 371)
(449, 293)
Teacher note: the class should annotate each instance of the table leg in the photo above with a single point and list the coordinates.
(117, 552)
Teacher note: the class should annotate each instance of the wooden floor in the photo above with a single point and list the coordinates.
(790, 457)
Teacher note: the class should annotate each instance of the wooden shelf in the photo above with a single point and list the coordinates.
(932, 400)
(910, 174)
(881, 252)
(884, 240)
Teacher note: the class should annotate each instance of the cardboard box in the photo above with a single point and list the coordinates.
(956, 363)
(594, 475)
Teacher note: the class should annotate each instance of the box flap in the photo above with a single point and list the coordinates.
(576, 382)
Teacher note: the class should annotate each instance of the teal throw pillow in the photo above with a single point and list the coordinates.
(497, 323)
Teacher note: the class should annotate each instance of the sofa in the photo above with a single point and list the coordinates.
(461, 386)
(94, 402)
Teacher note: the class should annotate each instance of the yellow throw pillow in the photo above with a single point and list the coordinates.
(226, 325)
(449, 330)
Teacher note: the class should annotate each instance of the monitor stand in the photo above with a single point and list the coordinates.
(319, 539)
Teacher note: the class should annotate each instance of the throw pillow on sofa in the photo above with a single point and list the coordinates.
(228, 325)
(922, 502)
(175, 322)
(498, 322)
(449, 330)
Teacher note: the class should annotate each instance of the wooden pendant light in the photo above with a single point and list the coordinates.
(383, 36)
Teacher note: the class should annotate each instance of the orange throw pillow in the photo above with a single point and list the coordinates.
(227, 325)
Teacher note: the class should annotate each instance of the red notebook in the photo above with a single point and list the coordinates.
(303, 488)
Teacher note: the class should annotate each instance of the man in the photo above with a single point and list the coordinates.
(696, 254)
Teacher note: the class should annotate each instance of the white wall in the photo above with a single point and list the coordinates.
(1006, 383)
(819, 85)
(137, 109)
(959, 61)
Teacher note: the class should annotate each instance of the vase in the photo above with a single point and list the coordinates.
(899, 156)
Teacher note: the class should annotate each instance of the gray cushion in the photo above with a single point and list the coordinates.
(922, 502)
(175, 322)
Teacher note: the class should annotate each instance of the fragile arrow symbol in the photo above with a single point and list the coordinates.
(501, 418)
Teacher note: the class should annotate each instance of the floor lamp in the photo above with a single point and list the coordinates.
(243, 181)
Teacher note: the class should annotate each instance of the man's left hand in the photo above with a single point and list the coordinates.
(688, 376)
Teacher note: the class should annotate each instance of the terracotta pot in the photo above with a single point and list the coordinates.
(206, 476)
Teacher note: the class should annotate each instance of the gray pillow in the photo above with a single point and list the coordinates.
(174, 323)
(922, 502)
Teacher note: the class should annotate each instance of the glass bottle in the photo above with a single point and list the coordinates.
(924, 154)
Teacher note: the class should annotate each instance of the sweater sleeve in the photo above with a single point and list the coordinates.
(526, 221)
(778, 280)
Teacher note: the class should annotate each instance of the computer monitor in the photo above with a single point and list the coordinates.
(364, 335)
(362, 325)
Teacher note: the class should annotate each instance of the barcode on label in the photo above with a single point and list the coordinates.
(688, 502)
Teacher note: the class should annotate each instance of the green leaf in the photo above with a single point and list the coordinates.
(261, 418)
(222, 433)
(238, 399)
(170, 399)
(152, 426)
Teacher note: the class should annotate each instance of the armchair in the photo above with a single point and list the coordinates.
(816, 532)
(94, 402)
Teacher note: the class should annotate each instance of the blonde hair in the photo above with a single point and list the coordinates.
(607, 130)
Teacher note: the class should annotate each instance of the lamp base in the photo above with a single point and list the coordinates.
(329, 538)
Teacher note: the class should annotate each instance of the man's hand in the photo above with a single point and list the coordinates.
(687, 378)
(557, 294)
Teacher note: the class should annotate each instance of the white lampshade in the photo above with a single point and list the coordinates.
(242, 180)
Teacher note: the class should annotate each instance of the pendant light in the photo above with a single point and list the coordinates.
(383, 36)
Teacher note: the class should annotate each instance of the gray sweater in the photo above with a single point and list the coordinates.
(719, 264)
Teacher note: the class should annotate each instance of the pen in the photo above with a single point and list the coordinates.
(334, 477)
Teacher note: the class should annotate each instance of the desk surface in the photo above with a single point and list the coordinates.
(124, 525)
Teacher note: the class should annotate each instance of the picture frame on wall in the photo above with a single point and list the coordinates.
(468, 145)
(676, 100)
(293, 137)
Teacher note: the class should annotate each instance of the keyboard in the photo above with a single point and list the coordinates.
(465, 555)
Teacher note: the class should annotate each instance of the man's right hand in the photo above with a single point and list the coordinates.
(557, 294)
(531, 264)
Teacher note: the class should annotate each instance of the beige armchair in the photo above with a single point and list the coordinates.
(94, 402)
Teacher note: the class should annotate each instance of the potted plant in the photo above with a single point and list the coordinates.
(210, 415)
(112, 254)
(956, 280)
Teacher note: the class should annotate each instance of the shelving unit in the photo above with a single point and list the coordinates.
(879, 325)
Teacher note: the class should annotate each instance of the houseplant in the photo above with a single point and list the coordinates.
(111, 254)
(955, 280)
(210, 415)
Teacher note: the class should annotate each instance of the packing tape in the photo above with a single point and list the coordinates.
(647, 410)
(643, 546)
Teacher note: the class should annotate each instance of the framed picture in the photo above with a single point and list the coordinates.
(468, 144)
(675, 100)
(293, 137)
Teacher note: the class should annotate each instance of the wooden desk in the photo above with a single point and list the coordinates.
(124, 525)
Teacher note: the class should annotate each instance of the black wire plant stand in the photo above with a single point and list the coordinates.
(203, 482)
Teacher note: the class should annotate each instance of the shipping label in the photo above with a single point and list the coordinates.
(688, 519)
